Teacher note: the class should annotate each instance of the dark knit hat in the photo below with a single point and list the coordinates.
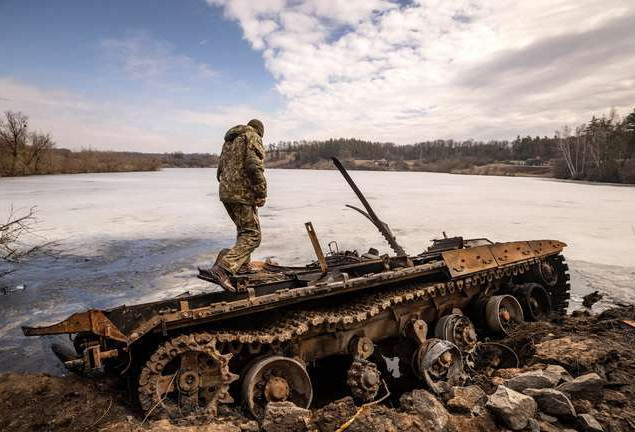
(257, 124)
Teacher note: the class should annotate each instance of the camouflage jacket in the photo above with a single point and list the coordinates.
(241, 170)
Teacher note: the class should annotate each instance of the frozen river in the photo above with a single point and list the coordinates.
(128, 237)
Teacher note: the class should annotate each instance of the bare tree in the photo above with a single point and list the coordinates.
(12, 232)
(40, 148)
(574, 149)
(13, 135)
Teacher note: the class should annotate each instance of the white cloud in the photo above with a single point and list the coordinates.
(153, 61)
(441, 68)
(76, 121)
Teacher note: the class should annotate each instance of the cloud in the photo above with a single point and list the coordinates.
(153, 61)
(409, 71)
(77, 121)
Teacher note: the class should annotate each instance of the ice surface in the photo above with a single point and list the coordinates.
(128, 237)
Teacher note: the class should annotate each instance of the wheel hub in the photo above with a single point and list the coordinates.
(189, 381)
(275, 379)
(277, 389)
(363, 379)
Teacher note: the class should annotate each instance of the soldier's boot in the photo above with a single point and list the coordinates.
(222, 278)
(248, 268)
(218, 274)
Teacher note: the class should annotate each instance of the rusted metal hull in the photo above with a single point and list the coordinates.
(307, 314)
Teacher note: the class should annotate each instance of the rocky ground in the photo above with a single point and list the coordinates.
(577, 374)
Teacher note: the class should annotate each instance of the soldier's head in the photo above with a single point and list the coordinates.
(257, 124)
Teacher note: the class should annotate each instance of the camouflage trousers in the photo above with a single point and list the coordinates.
(245, 218)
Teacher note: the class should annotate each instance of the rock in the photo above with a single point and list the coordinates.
(532, 425)
(580, 313)
(249, 426)
(331, 416)
(592, 298)
(552, 402)
(582, 406)
(558, 373)
(533, 379)
(507, 373)
(496, 381)
(466, 400)
(615, 398)
(165, 425)
(285, 417)
(512, 408)
(546, 417)
(573, 352)
(588, 423)
(427, 407)
(589, 387)
(382, 418)
(548, 427)
(484, 422)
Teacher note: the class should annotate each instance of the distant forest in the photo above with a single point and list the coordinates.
(602, 149)
(23, 152)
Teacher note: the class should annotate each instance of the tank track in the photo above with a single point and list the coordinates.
(300, 322)
(560, 292)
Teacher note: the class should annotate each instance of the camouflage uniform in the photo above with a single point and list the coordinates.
(242, 181)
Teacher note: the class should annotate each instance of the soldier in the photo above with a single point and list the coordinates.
(242, 189)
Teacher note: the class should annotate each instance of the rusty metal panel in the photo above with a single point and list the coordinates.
(546, 247)
(511, 252)
(93, 321)
(465, 261)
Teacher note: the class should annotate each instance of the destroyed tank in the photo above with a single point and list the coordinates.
(335, 323)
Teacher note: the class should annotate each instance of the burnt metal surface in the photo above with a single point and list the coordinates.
(370, 213)
(92, 321)
(288, 319)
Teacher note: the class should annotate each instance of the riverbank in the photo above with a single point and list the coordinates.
(566, 379)
(443, 166)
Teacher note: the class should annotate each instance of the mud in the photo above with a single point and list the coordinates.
(583, 343)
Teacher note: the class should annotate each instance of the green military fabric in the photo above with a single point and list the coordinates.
(241, 170)
(248, 227)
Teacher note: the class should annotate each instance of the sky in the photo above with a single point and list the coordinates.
(162, 76)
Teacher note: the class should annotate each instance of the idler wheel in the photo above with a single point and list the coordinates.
(439, 363)
(534, 300)
(363, 378)
(276, 379)
(457, 329)
(503, 313)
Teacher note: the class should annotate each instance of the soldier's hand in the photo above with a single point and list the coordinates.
(260, 202)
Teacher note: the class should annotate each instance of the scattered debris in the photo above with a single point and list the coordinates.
(532, 380)
(427, 407)
(602, 400)
(552, 402)
(592, 298)
(285, 417)
(8, 290)
(466, 400)
(588, 423)
(512, 408)
(589, 387)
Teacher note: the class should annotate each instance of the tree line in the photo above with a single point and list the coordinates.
(26, 152)
(601, 150)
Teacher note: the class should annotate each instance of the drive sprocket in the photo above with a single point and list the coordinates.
(185, 380)
(560, 290)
